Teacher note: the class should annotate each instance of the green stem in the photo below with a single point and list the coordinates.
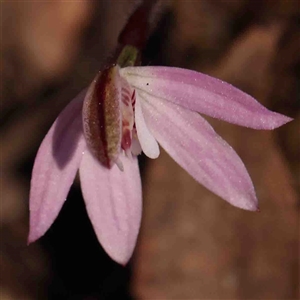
(128, 57)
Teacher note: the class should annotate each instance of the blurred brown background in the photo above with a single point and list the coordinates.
(192, 244)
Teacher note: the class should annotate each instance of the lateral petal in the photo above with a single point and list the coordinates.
(196, 147)
(147, 141)
(55, 167)
(204, 94)
(114, 204)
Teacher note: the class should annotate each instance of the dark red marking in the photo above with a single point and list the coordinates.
(133, 98)
(125, 123)
(125, 100)
(102, 82)
(126, 139)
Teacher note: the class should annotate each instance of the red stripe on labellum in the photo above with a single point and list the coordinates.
(126, 99)
(133, 100)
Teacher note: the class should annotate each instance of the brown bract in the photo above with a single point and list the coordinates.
(136, 31)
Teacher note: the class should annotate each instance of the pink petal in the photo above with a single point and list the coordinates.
(195, 146)
(204, 94)
(147, 141)
(55, 167)
(114, 204)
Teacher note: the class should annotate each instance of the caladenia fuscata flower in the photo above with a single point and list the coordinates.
(128, 110)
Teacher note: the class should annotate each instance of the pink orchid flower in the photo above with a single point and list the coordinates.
(103, 129)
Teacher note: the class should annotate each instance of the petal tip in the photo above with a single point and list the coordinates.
(121, 260)
(282, 121)
(250, 203)
(252, 208)
(154, 154)
(120, 255)
(32, 237)
(276, 120)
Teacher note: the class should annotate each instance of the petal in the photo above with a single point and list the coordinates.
(148, 143)
(55, 167)
(196, 147)
(204, 94)
(114, 204)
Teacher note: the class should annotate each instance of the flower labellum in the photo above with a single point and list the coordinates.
(108, 118)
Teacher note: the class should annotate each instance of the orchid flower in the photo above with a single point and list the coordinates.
(133, 109)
